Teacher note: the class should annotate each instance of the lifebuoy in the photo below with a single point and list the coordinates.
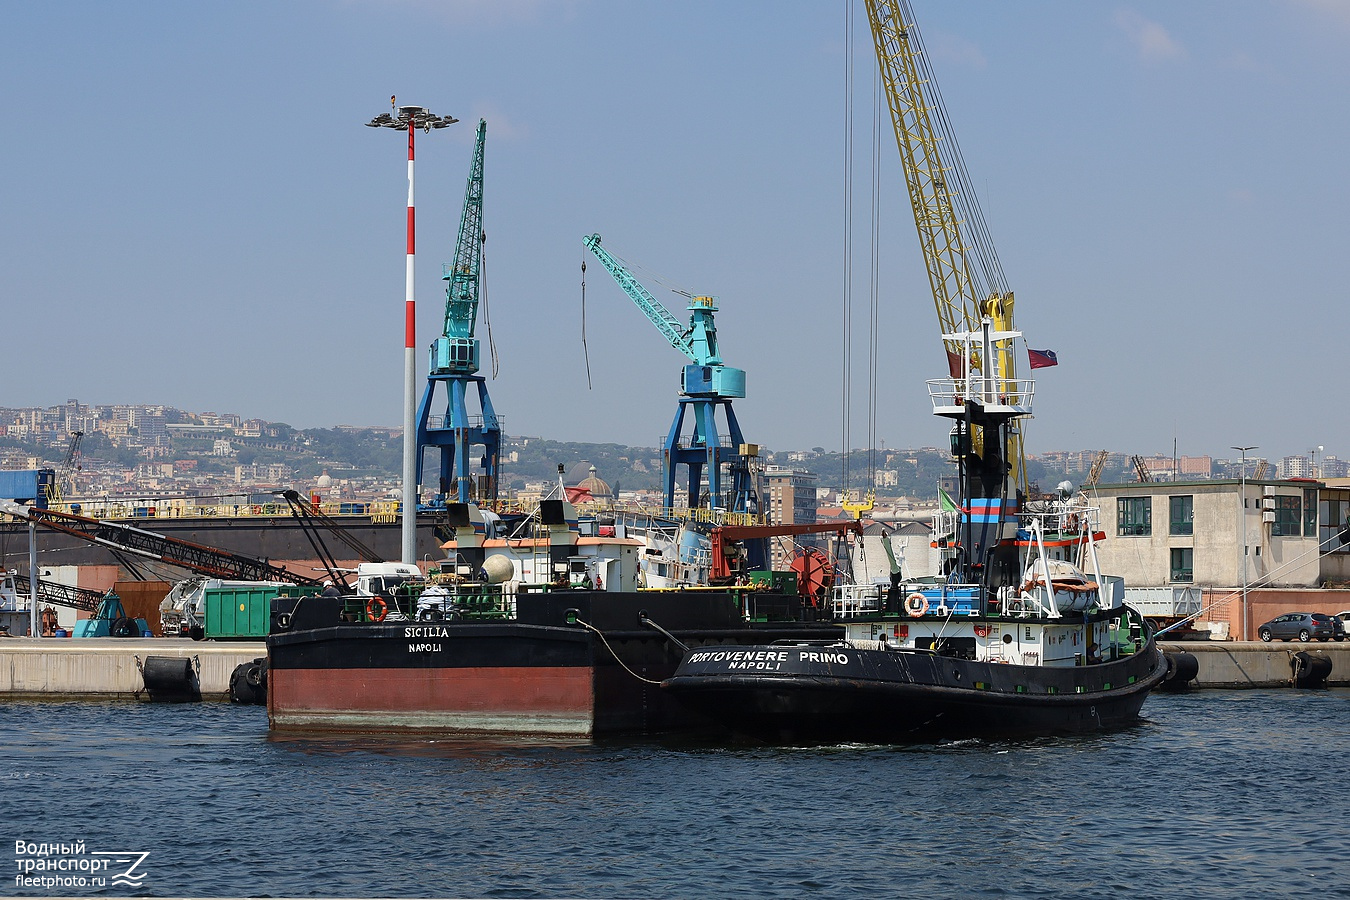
(916, 604)
(376, 609)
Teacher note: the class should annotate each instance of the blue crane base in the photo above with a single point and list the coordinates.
(455, 433)
(730, 485)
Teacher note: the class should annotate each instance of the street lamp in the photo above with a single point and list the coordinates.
(1242, 528)
(409, 119)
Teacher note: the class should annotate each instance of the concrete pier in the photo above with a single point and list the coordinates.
(1251, 664)
(106, 668)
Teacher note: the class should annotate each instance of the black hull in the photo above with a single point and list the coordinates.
(536, 674)
(890, 696)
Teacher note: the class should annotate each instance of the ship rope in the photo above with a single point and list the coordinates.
(487, 318)
(601, 635)
(846, 311)
(874, 265)
(584, 351)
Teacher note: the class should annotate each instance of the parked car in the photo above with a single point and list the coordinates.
(1343, 617)
(1302, 625)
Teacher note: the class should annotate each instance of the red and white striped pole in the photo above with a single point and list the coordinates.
(409, 518)
(409, 119)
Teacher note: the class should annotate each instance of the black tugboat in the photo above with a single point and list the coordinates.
(1020, 639)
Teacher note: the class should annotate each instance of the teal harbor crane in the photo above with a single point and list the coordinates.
(454, 365)
(707, 386)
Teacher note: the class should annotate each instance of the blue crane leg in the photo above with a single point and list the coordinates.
(459, 422)
(670, 454)
(741, 489)
(707, 428)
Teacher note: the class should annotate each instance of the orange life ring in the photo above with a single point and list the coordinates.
(916, 604)
(376, 609)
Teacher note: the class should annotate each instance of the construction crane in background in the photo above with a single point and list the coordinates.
(117, 537)
(454, 364)
(1140, 469)
(63, 484)
(963, 270)
(58, 594)
(1262, 468)
(1095, 474)
(311, 519)
(707, 385)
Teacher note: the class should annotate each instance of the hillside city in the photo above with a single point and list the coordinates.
(144, 451)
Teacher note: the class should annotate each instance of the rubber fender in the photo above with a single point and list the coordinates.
(256, 673)
(125, 627)
(240, 690)
(1310, 670)
(1180, 672)
(171, 679)
(248, 682)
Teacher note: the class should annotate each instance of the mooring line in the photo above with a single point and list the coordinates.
(600, 634)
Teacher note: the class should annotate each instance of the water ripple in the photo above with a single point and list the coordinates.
(1216, 794)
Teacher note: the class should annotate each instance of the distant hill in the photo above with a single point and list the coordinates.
(376, 454)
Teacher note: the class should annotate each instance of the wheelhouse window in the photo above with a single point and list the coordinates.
(1181, 515)
(1183, 564)
(1309, 513)
(1288, 512)
(1134, 515)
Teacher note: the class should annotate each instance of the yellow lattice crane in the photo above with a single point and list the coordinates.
(1095, 474)
(963, 271)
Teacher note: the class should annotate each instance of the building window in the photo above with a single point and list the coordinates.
(1335, 519)
(1288, 511)
(1182, 515)
(1182, 564)
(1134, 515)
(1310, 513)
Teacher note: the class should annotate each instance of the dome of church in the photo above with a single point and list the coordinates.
(598, 487)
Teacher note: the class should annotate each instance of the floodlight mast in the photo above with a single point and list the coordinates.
(409, 119)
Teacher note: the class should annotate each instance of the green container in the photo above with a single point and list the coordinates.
(238, 612)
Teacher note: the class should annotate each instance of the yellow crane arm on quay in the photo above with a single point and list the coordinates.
(963, 270)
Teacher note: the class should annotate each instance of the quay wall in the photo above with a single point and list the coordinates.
(1250, 664)
(106, 668)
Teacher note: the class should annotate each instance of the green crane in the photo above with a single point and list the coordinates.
(454, 364)
(707, 386)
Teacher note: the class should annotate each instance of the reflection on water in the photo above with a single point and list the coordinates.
(441, 746)
(1211, 796)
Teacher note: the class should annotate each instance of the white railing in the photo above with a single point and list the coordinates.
(991, 392)
(851, 600)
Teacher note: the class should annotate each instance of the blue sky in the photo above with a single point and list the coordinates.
(194, 214)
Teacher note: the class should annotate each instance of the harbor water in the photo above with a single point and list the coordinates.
(1214, 794)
